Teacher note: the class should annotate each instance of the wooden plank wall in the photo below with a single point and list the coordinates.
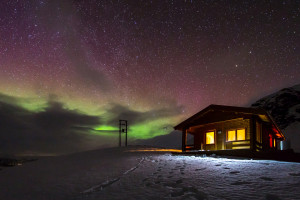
(220, 129)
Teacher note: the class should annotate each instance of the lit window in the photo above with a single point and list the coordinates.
(236, 135)
(210, 137)
(241, 134)
(231, 135)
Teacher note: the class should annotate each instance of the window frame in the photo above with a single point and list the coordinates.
(236, 138)
(208, 131)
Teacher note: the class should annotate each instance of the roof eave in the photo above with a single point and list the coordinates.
(275, 125)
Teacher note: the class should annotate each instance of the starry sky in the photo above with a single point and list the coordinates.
(90, 63)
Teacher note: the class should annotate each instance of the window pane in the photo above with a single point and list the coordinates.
(241, 134)
(231, 135)
(210, 137)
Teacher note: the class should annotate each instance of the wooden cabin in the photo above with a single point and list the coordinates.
(220, 127)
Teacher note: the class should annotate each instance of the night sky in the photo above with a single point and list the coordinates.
(74, 68)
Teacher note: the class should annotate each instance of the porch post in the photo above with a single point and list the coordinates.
(183, 140)
(253, 133)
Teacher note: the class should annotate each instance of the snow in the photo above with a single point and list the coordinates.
(117, 173)
(63, 176)
(295, 111)
(292, 134)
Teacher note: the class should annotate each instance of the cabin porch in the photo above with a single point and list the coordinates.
(234, 134)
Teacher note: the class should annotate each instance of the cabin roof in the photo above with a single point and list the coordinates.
(215, 113)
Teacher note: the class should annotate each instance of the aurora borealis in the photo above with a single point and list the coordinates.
(153, 63)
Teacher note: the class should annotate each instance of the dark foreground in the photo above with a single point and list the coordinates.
(122, 173)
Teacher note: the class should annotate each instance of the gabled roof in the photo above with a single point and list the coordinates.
(214, 113)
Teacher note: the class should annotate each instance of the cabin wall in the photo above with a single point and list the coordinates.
(259, 136)
(265, 137)
(220, 129)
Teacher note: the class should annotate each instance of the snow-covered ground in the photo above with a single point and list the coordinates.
(292, 133)
(119, 174)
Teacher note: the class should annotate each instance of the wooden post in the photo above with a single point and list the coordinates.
(253, 133)
(183, 140)
(120, 133)
(126, 133)
(121, 130)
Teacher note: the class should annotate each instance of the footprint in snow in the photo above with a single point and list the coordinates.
(226, 168)
(272, 197)
(294, 174)
(240, 183)
(148, 184)
(179, 181)
(177, 193)
(234, 172)
(266, 178)
(264, 163)
(145, 179)
(199, 169)
(171, 185)
(189, 192)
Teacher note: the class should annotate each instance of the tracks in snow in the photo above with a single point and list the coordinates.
(111, 181)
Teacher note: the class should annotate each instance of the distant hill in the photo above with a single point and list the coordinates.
(171, 140)
(284, 107)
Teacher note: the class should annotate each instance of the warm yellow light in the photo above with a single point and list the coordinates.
(241, 147)
(241, 134)
(231, 135)
(154, 150)
(210, 137)
(241, 142)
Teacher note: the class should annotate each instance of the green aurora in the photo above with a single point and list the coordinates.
(136, 131)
